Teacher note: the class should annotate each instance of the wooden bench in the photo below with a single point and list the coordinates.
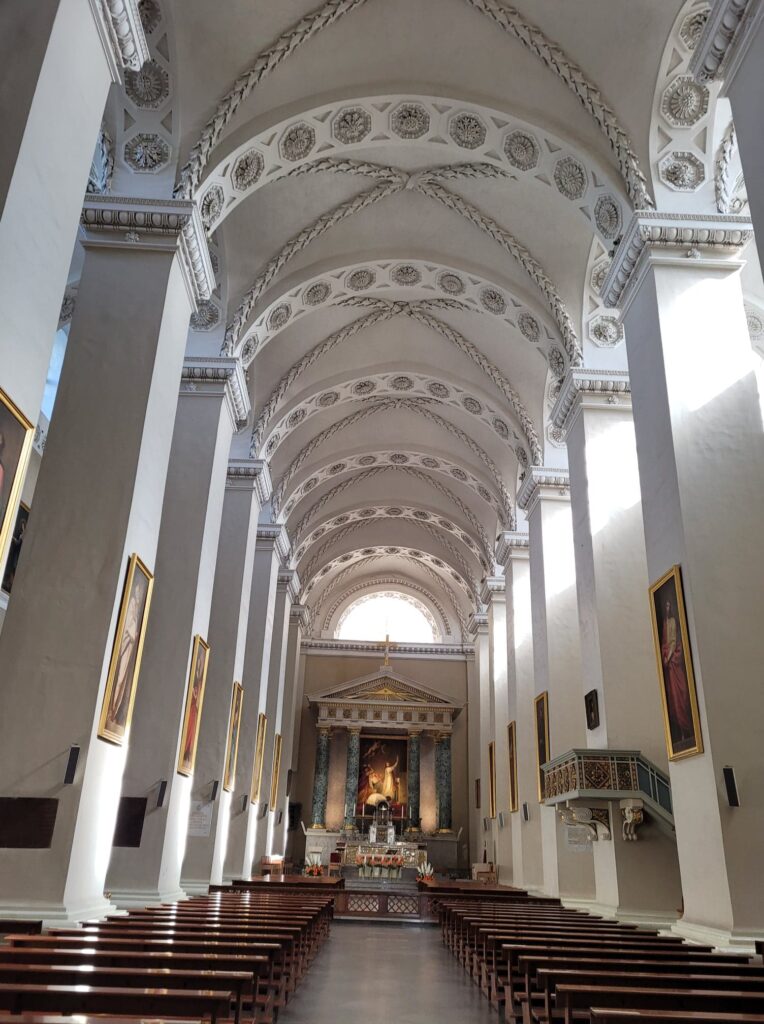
(604, 1016)
(576, 1001)
(155, 1002)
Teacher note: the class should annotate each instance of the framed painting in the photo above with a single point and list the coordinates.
(257, 767)
(512, 749)
(383, 774)
(541, 711)
(232, 743)
(275, 769)
(492, 779)
(16, 433)
(677, 680)
(125, 662)
(477, 794)
(197, 677)
(592, 709)
(17, 539)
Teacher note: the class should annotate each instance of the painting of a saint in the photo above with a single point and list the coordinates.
(125, 664)
(15, 444)
(232, 745)
(672, 649)
(257, 767)
(512, 747)
(492, 780)
(382, 775)
(541, 708)
(17, 539)
(194, 701)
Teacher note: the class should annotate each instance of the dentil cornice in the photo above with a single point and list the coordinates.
(199, 371)
(478, 624)
(510, 542)
(250, 473)
(316, 645)
(288, 579)
(119, 27)
(679, 238)
(273, 533)
(729, 28)
(491, 587)
(610, 389)
(132, 222)
(543, 482)
(300, 616)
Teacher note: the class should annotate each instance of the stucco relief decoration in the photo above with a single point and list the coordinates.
(362, 279)
(684, 102)
(402, 383)
(247, 169)
(681, 171)
(501, 429)
(755, 322)
(607, 216)
(438, 390)
(212, 205)
(555, 436)
(452, 284)
(606, 331)
(279, 316)
(522, 455)
(692, 28)
(493, 301)
(472, 405)
(296, 418)
(297, 141)
(529, 327)
(150, 15)
(367, 460)
(206, 316)
(599, 273)
(570, 177)
(272, 443)
(351, 125)
(556, 362)
(338, 467)
(67, 307)
(410, 121)
(248, 352)
(522, 150)
(328, 399)
(146, 152)
(365, 387)
(149, 87)
(467, 131)
(317, 294)
(406, 274)
(399, 459)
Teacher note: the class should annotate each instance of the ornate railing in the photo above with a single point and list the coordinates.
(608, 775)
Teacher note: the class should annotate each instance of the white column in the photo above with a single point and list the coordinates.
(545, 498)
(512, 552)
(479, 732)
(634, 880)
(494, 597)
(698, 425)
(292, 713)
(59, 59)
(98, 500)
(272, 545)
(213, 402)
(247, 487)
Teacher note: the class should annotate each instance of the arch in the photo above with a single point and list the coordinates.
(423, 612)
(384, 582)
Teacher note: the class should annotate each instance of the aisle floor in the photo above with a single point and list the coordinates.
(377, 973)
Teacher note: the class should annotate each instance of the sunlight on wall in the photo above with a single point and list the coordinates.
(617, 488)
(559, 554)
(399, 616)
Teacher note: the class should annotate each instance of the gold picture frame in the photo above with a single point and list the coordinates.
(16, 433)
(492, 779)
(541, 716)
(126, 654)
(679, 699)
(514, 803)
(257, 767)
(232, 742)
(192, 715)
(275, 770)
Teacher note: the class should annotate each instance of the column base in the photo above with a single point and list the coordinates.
(195, 888)
(660, 920)
(317, 827)
(722, 938)
(130, 899)
(54, 915)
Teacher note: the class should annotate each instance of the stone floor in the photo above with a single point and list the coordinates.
(377, 973)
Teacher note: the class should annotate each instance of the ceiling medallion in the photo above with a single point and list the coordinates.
(339, 521)
(367, 513)
(529, 327)
(317, 293)
(438, 390)
(755, 323)
(394, 511)
(406, 274)
(271, 446)
(337, 468)
(351, 125)
(402, 384)
(570, 177)
(684, 102)
(467, 131)
(67, 308)
(279, 316)
(247, 169)
(599, 273)
(692, 28)
(146, 152)
(493, 301)
(484, 493)
(607, 216)
(501, 429)
(149, 87)
(365, 387)
(399, 459)
(296, 418)
(150, 15)
(430, 463)
(451, 283)
(606, 331)
(522, 150)
(212, 205)
(367, 460)
(248, 352)
(472, 405)
(206, 316)
(328, 398)
(297, 141)
(359, 280)
(420, 514)
(309, 484)
(682, 172)
(410, 121)
(556, 362)
(556, 436)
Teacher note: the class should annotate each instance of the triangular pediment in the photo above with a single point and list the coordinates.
(385, 686)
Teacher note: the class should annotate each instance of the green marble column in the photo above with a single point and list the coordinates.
(443, 780)
(321, 779)
(351, 779)
(413, 781)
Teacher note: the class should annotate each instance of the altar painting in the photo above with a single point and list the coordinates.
(382, 775)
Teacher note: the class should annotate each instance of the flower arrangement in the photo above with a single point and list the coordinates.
(313, 867)
(425, 872)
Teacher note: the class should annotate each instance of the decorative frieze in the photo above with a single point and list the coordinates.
(543, 482)
(274, 533)
(299, 615)
(204, 372)
(250, 473)
(315, 645)
(510, 543)
(730, 24)
(122, 34)
(289, 580)
(609, 389)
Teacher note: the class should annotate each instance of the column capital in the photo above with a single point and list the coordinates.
(274, 534)
(680, 239)
(121, 34)
(478, 624)
(130, 222)
(206, 374)
(510, 544)
(543, 482)
(729, 27)
(250, 473)
(300, 615)
(289, 580)
(583, 389)
(492, 588)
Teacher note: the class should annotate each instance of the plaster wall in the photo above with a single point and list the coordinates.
(744, 92)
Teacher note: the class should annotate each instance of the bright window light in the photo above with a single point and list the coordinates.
(399, 616)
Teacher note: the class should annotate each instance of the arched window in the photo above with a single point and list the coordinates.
(390, 613)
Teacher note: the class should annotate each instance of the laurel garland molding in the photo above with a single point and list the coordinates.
(531, 37)
(388, 581)
(729, 186)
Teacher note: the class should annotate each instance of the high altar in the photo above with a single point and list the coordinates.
(385, 716)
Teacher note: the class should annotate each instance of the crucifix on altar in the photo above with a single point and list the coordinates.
(388, 645)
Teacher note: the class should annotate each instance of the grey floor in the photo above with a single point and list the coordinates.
(376, 973)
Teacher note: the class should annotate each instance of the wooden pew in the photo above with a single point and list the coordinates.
(155, 1002)
(604, 1016)
(574, 998)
